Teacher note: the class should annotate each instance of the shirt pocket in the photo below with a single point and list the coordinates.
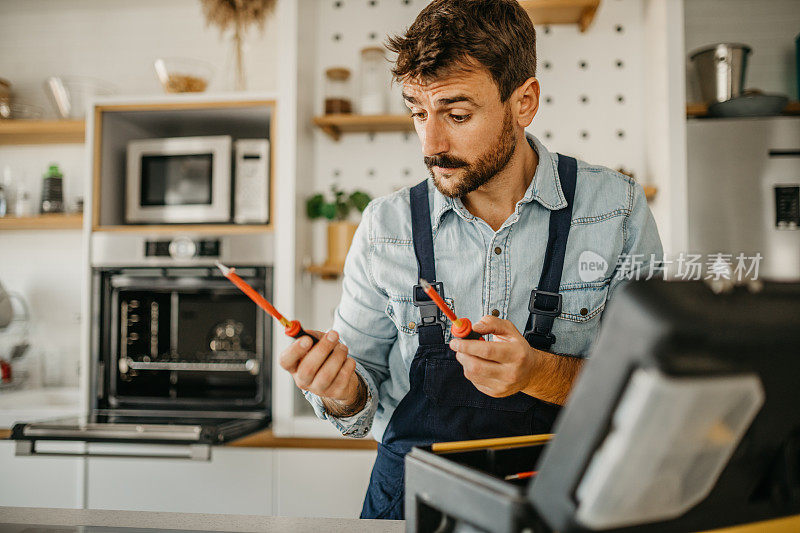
(582, 306)
(406, 317)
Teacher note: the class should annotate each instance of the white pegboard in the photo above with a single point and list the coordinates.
(592, 101)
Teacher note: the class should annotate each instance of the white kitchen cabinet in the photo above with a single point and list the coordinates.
(321, 483)
(234, 481)
(40, 481)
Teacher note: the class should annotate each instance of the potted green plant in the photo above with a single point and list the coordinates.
(337, 208)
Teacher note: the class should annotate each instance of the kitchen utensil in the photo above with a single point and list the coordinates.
(721, 70)
(183, 75)
(70, 95)
(749, 104)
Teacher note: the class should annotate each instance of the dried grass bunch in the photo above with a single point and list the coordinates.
(237, 15)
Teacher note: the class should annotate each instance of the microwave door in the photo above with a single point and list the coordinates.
(195, 433)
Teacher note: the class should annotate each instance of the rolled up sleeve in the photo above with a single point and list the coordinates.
(364, 327)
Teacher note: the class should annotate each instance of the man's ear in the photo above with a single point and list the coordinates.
(525, 100)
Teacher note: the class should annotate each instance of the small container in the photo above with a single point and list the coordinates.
(183, 74)
(337, 91)
(53, 191)
(23, 207)
(5, 99)
(374, 81)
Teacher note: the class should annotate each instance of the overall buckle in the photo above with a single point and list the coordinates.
(430, 314)
(532, 309)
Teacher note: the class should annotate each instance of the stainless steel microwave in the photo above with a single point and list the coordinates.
(194, 180)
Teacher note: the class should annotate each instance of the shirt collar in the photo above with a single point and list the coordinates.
(545, 187)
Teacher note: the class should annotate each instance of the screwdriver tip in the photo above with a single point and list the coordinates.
(425, 285)
(222, 268)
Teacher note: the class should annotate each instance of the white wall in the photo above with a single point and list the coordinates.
(116, 41)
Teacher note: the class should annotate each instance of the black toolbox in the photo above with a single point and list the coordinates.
(727, 364)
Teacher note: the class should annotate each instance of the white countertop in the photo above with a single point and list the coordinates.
(71, 518)
(30, 405)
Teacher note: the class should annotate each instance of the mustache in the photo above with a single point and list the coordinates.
(444, 161)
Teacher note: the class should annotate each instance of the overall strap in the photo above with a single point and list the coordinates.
(545, 302)
(431, 325)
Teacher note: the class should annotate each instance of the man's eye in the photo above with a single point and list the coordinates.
(459, 118)
(420, 114)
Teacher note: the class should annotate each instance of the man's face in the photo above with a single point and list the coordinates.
(467, 133)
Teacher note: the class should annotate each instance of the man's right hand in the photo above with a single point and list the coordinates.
(325, 370)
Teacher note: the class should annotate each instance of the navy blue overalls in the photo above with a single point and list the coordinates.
(442, 405)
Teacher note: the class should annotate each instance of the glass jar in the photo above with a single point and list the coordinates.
(5, 99)
(337, 91)
(374, 81)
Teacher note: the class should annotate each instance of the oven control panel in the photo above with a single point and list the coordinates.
(182, 248)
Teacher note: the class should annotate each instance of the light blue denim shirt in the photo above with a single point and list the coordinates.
(482, 270)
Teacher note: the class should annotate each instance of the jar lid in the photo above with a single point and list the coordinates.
(337, 73)
(370, 49)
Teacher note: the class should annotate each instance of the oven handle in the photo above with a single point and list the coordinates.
(195, 452)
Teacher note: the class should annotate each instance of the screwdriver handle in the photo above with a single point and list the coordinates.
(465, 330)
(473, 336)
(296, 331)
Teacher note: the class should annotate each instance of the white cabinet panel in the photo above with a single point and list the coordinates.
(321, 483)
(234, 481)
(39, 481)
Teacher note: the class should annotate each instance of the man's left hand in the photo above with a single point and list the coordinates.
(501, 367)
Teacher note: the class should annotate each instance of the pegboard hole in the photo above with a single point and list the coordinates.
(548, 100)
(583, 64)
(373, 3)
(621, 134)
(548, 135)
(371, 136)
(546, 30)
(338, 4)
(547, 65)
(336, 173)
(583, 134)
(619, 63)
(371, 173)
(619, 28)
(407, 2)
(406, 136)
(406, 172)
(620, 99)
(337, 36)
(584, 99)
(372, 36)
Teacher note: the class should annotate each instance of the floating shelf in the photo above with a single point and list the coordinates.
(41, 222)
(335, 125)
(701, 110)
(328, 272)
(215, 229)
(580, 12)
(42, 131)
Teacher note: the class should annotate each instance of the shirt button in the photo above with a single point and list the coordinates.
(495, 312)
(498, 250)
(584, 311)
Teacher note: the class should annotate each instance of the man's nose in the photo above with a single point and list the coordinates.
(434, 138)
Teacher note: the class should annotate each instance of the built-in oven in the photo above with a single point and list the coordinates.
(179, 355)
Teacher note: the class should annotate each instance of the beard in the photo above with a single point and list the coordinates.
(480, 172)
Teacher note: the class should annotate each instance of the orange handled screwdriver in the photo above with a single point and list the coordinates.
(462, 327)
(521, 475)
(291, 328)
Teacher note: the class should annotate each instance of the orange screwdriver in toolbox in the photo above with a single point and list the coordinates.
(292, 328)
(462, 327)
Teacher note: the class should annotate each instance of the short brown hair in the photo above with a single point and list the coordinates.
(447, 34)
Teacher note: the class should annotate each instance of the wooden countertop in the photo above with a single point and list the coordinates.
(266, 439)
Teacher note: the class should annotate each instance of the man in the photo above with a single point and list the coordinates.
(490, 225)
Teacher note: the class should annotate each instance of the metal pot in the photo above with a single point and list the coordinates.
(721, 70)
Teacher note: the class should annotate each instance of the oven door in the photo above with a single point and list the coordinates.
(179, 180)
(113, 434)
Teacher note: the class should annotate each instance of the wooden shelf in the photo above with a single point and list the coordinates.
(335, 125)
(41, 222)
(42, 131)
(580, 12)
(328, 272)
(266, 439)
(217, 229)
(701, 110)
